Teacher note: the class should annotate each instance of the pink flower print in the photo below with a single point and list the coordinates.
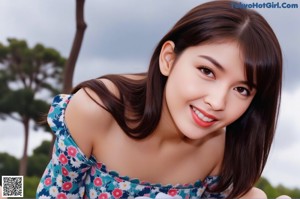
(48, 181)
(172, 192)
(63, 159)
(117, 193)
(93, 171)
(72, 151)
(85, 169)
(67, 186)
(51, 109)
(62, 196)
(98, 181)
(103, 196)
(118, 179)
(99, 165)
(64, 171)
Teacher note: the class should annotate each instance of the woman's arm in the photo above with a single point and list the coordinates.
(254, 193)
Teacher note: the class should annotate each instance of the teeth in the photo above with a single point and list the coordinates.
(201, 116)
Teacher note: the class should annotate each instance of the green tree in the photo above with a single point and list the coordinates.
(28, 74)
(39, 160)
(8, 165)
(266, 186)
(295, 193)
(273, 192)
(43, 149)
(30, 186)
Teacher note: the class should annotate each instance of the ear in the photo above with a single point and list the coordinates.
(166, 58)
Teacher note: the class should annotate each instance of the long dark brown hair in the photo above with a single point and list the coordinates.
(248, 139)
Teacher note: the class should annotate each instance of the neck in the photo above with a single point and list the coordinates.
(166, 131)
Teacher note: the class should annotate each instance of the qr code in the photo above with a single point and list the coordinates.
(12, 186)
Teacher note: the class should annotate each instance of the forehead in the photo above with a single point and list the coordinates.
(225, 53)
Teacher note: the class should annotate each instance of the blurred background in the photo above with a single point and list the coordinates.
(119, 38)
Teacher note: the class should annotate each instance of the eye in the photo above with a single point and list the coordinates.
(206, 71)
(243, 91)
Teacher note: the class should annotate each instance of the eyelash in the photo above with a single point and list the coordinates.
(206, 71)
(244, 89)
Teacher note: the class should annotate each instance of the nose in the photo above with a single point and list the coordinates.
(216, 99)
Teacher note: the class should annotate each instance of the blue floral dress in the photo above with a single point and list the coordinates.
(70, 174)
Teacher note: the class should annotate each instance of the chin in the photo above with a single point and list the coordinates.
(195, 136)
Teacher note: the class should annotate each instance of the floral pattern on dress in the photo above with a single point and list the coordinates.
(70, 174)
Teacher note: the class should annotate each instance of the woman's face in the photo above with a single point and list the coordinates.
(206, 89)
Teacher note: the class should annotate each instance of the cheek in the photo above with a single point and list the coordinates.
(237, 109)
(186, 89)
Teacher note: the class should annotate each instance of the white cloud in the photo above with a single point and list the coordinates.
(12, 138)
(284, 161)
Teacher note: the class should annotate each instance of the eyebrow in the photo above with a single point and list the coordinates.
(213, 61)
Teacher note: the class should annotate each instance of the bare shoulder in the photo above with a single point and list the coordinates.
(254, 193)
(86, 119)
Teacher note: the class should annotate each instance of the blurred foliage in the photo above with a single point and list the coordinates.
(39, 160)
(9, 165)
(29, 76)
(273, 192)
(30, 186)
(43, 149)
(36, 166)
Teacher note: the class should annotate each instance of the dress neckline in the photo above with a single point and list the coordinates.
(209, 181)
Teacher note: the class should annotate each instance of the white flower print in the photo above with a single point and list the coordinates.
(54, 159)
(124, 185)
(40, 187)
(93, 194)
(59, 180)
(61, 145)
(76, 163)
(200, 192)
(44, 197)
(161, 196)
(72, 196)
(61, 118)
(103, 189)
(81, 192)
(73, 175)
(139, 187)
(53, 191)
(50, 121)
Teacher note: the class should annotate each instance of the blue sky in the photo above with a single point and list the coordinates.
(120, 38)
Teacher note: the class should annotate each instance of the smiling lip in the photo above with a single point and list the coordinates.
(202, 118)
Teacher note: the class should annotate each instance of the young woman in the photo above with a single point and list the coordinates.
(198, 124)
